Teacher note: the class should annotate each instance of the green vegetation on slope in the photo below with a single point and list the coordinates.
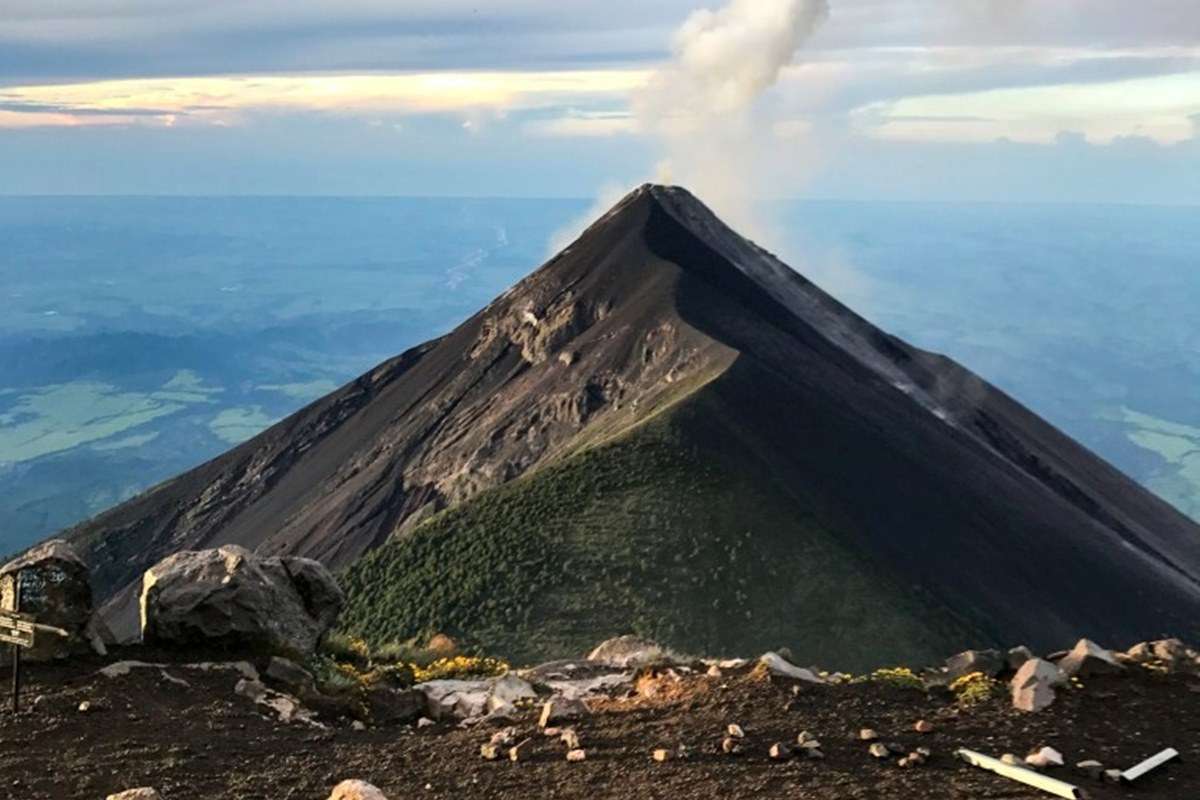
(695, 548)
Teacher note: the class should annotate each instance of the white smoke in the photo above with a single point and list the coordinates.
(700, 104)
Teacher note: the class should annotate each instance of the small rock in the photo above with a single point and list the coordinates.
(1017, 656)
(356, 790)
(868, 735)
(1088, 658)
(1092, 768)
(730, 746)
(989, 662)
(880, 750)
(1045, 757)
(424, 722)
(735, 731)
(1033, 685)
(1011, 760)
(142, 793)
(576, 755)
(1112, 776)
(85, 706)
(925, 752)
(570, 738)
(661, 755)
(628, 651)
(517, 751)
(923, 726)
(714, 672)
(358, 725)
(504, 737)
(489, 752)
(552, 732)
(804, 738)
(780, 751)
(559, 709)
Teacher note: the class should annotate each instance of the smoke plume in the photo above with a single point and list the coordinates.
(700, 104)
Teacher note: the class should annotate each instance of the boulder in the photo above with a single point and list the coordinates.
(1033, 685)
(142, 793)
(356, 790)
(989, 662)
(56, 590)
(628, 651)
(231, 597)
(1089, 658)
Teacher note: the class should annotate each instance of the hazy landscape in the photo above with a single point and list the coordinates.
(197, 322)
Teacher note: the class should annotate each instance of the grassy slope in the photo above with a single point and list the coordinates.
(650, 533)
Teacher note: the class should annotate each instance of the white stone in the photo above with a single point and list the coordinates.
(356, 790)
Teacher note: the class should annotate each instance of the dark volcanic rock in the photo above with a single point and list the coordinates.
(56, 589)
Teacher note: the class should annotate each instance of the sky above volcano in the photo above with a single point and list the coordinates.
(1028, 100)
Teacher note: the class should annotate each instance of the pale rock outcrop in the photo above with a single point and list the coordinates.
(56, 590)
(232, 597)
(780, 666)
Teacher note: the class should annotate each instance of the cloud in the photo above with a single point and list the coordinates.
(1157, 108)
(584, 124)
(473, 94)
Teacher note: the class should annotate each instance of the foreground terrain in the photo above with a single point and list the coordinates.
(187, 733)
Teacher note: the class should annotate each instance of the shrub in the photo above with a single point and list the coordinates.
(899, 677)
(460, 667)
(975, 688)
(343, 647)
(407, 652)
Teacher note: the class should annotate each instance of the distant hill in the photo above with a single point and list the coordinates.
(665, 429)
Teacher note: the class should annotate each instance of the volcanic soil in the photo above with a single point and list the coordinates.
(186, 733)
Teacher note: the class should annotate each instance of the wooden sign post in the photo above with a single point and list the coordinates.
(18, 632)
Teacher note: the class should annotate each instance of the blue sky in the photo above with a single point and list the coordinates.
(1038, 100)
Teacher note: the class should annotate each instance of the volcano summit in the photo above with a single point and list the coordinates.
(666, 430)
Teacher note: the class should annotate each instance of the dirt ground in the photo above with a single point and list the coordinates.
(203, 741)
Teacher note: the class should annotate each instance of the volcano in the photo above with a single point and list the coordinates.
(666, 430)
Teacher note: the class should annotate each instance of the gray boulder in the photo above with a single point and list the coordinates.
(989, 662)
(56, 589)
(1088, 658)
(231, 597)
